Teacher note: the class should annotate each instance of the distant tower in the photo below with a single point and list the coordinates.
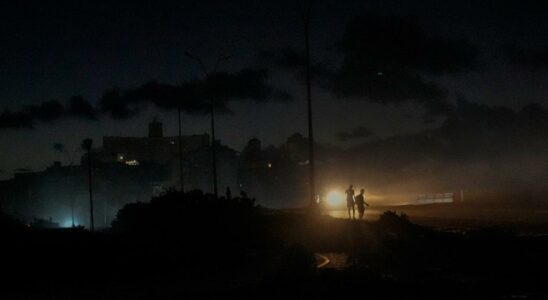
(155, 129)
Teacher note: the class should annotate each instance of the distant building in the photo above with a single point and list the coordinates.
(125, 169)
(130, 169)
(274, 174)
(154, 148)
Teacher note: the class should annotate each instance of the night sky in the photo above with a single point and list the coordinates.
(427, 54)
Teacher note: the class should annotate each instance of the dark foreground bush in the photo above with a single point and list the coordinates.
(297, 262)
(391, 221)
(193, 215)
(197, 231)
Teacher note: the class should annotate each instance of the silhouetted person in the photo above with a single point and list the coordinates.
(319, 199)
(361, 204)
(228, 193)
(350, 202)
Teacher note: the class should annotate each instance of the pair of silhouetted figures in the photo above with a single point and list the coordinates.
(353, 200)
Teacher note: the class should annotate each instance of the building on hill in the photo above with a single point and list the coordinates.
(125, 169)
(155, 147)
(159, 150)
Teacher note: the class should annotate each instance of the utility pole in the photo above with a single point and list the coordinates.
(72, 210)
(212, 114)
(180, 153)
(86, 144)
(311, 160)
(213, 150)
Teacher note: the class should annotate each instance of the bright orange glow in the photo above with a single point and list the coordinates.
(335, 198)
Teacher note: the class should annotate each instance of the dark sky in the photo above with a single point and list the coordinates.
(58, 49)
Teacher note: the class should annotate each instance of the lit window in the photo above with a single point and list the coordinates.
(270, 165)
(132, 162)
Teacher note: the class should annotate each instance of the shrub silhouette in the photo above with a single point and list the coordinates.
(191, 212)
(390, 221)
(197, 230)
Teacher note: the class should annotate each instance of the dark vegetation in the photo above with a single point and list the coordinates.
(195, 245)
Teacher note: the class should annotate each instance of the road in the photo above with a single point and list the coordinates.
(331, 260)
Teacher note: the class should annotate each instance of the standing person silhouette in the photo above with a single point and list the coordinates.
(350, 202)
(361, 204)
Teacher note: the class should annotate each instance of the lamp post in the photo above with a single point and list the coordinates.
(180, 152)
(212, 114)
(86, 145)
(311, 159)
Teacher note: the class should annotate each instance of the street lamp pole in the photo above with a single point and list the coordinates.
(90, 192)
(213, 150)
(86, 145)
(311, 159)
(180, 152)
(212, 114)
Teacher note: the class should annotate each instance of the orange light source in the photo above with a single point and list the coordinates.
(335, 198)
